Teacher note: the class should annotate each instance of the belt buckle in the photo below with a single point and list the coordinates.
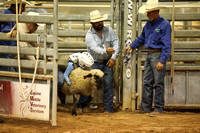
(153, 50)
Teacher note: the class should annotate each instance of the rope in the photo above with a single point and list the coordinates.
(10, 33)
(172, 50)
(18, 55)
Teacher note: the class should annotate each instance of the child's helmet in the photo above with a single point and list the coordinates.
(85, 60)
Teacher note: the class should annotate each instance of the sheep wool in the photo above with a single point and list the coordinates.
(83, 82)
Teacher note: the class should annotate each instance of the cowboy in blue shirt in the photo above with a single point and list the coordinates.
(156, 37)
(6, 27)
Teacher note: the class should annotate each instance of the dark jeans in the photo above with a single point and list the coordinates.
(107, 85)
(60, 78)
(61, 95)
(7, 68)
(153, 79)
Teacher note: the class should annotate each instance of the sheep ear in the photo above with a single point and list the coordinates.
(87, 76)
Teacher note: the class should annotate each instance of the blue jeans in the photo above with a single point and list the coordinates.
(153, 79)
(107, 85)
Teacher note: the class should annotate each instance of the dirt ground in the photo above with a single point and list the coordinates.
(94, 121)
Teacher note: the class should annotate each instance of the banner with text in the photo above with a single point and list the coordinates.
(12, 101)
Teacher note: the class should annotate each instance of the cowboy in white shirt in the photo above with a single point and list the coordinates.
(29, 28)
(103, 45)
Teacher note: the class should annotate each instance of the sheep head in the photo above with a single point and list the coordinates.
(96, 75)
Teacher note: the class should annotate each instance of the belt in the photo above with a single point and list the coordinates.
(154, 50)
(101, 61)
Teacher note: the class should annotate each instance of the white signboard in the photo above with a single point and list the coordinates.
(12, 101)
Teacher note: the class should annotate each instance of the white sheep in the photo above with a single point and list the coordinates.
(83, 82)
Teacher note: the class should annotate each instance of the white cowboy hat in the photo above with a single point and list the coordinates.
(95, 16)
(36, 14)
(10, 2)
(151, 5)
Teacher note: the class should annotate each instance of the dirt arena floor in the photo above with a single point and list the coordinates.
(94, 121)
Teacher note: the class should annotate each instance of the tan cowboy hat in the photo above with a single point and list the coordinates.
(95, 16)
(151, 5)
(10, 2)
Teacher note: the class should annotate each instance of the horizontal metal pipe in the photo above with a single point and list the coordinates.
(180, 68)
(78, 0)
(25, 63)
(76, 17)
(27, 18)
(187, 33)
(48, 18)
(25, 75)
(178, 17)
(26, 38)
(24, 50)
(74, 44)
(72, 50)
(71, 33)
(178, 33)
(187, 44)
(45, 7)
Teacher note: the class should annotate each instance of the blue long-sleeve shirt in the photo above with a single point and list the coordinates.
(6, 27)
(156, 35)
(97, 45)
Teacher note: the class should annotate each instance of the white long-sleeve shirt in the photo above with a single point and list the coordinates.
(97, 45)
(23, 29)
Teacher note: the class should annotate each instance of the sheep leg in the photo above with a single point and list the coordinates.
(74, 113)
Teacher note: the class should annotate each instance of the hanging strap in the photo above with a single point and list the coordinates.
(172, 50)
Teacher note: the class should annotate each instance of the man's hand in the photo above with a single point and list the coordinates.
(14, 33)
(127, 49)
(159, 66)
(40, 71)
(110, 50)
(110, 63)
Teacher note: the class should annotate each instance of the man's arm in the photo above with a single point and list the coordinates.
(166, 41)
(139, 41)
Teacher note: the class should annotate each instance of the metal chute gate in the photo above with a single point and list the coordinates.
(64, 34)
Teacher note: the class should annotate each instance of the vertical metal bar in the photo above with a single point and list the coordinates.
(84, 27)
(127, 67)
(112, 14)
(55, 66)
(49, 32)
(117, 70)
(187, 89)
(45, 49)
(133, 77)
(139, 70)
(121, 6)
(116, 76)
(83, 24)
(70, 28)
(126, 83)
